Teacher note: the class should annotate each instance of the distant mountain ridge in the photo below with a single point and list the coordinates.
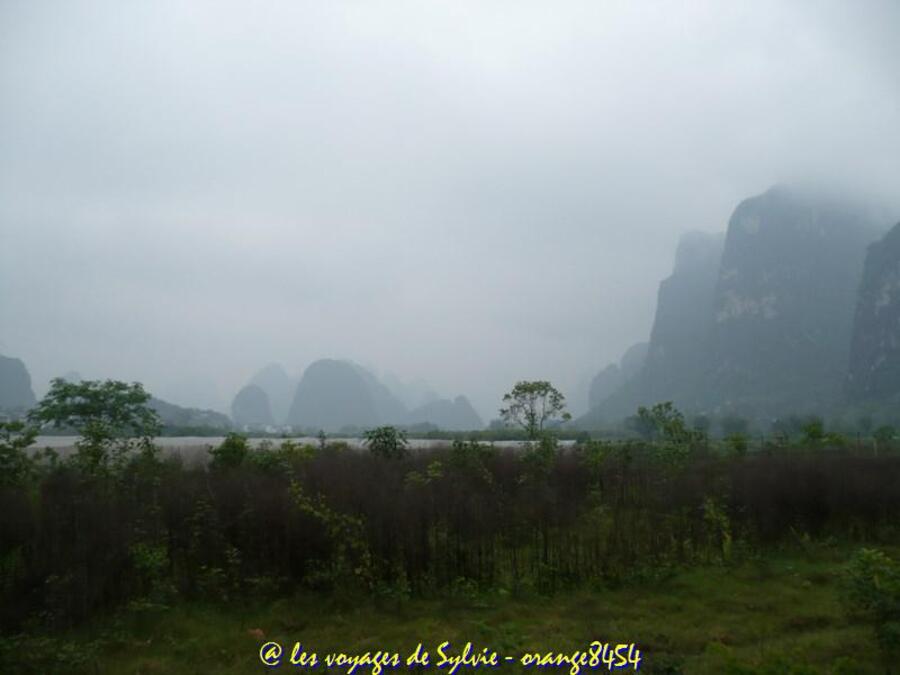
(335, 395)
(251, 409)
(279, 387)
(455, 415)
(412, 394)
(16, 394)
(332, 395)
(172, 415)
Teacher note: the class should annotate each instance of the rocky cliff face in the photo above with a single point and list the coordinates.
(455, 415)
(16, 394)
(604, 385)
(761, 325)
(388, 408)
(632, 361)
(612, 378)
(784, 303)
(679, 341)
(332, 395)
(250, 408)
(874, 371)
(671, 366)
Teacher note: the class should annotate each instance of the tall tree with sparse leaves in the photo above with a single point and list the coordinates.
(531, 405)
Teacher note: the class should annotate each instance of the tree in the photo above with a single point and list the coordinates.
(663, 419)
(813, 431)
(531, 405)
(15, 463)
(642, 424)
(737, 442)
(387, 442)
(231, 453)
(109, 416)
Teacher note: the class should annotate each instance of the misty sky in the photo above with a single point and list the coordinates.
(468, 192)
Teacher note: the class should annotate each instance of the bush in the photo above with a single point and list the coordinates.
(231, 453)
(15, 464)
(872, 587)
(737, 443)
(387, 442)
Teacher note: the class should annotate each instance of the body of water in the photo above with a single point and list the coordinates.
(196, 446)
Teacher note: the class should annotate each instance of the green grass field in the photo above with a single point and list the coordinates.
(780, 614)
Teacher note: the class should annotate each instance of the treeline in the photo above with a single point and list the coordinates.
(146, 531)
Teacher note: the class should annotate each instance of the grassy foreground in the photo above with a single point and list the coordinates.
(778, 614)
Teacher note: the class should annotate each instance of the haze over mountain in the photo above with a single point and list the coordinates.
(251, 408)
(470, 193)
(332, 395)
(763, 326)
(874, 373)
(412, 394)
(279, 388)
(785, 300)
(616, 375)
(455, 415)
(338, 394)
(188, 419)
(15, 385)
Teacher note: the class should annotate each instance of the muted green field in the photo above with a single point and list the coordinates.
(780, 614)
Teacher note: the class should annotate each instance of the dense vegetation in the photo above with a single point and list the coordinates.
(118, 526)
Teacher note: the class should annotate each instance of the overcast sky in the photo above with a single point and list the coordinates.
(468, 192)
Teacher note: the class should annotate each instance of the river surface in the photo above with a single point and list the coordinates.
(196, 446)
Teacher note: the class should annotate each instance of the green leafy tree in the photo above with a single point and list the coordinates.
(111, 417)
(737, 443)
(230, 453)
(813, 431)
(642, 424)
(673, 440)
(15, 463)
(532, 405)
(835, 439)
(387, 442)
(665, 420)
